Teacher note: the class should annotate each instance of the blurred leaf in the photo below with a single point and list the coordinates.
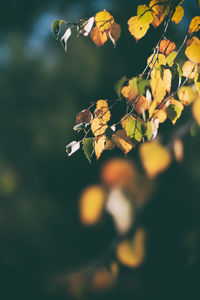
(56, 26)
(195, 131)
(196, 110)
(91, 204)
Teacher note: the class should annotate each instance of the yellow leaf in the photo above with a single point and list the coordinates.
(98, 37)
(137, 28)
(167, 79)
(196, 110)
(194, 24)
(178, 149)
(157, 86)
(155, 158)
(159, 10)
(178, 14)
(193, 50)
(186, 95)
(91, 204)
(114, 33)
(156, 61)
(104, 20)
(161, 115)
(144, 13)
(131, 253)
(102, 111)
(128, 93)
(189, 69)
(99, 145)
(122, 141)
(152, 108)
(98, 127)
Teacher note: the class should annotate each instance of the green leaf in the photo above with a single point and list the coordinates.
(133, 83)
(134, 129)
(88, 147)
(170, 58)
(56, 26)
(149, 131)
(195, 131)
(119, 84)
(143, 85)
(173, 112)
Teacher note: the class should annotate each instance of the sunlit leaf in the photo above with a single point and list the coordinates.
(142, 86)
(128, 93)
(170, 58)
(133, 84)
(161, 115)
(186, 95)
(88, 147)
(98, 127)
(102, 279)
(196, 110)
(122, 141)
(91, 204)
(178, 14)
(155, 61)
(154, 157)
(189, 69)
(197, 82)
(193, 50)
(194, 24)
(142, 105)
(134, 130)
(114, 33)
(98, 37)
(149, 131)
(104, 20)
(157, 86)
(159, 10)
(99, 145)
(166, 47)
(102, 111)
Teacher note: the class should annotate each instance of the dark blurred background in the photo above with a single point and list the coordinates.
(41, 90)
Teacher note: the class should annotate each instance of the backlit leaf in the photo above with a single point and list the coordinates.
(166, 47)
(186, 95)
(194, 24)
(98, 127)
(56, 26)
(99, 145)
(193, 50)
(98, 37)
(142, 105)
(197, 82)
(128, 93)
(178, 14)
(161, 115)
(154, 157)
(134, 129)
(102, 111)
(157, 86)
(170, 58)
(104, 20)
(88, 147)
(189, 69)
(137, 28)
(122, 141)
(159, 10)
(91, 204)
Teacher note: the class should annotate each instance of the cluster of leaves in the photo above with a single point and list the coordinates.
(150, 97)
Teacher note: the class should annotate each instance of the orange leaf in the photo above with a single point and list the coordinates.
(159, 10)
(142, 105)
(161, 115)
(122, 141)
(166, 47)
(98, 37)
(128, 93)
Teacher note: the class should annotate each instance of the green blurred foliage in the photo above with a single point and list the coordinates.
(41, 90)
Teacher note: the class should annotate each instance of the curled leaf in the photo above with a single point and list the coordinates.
(72, 147)
(65, 38)
(86, 27)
